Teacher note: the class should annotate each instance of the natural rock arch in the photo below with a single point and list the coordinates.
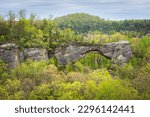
(118, 52)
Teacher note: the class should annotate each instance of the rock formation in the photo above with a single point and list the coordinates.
(11, 54)
(36, 54)
(118, 52)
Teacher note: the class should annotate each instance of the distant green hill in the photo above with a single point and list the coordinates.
(83, 23)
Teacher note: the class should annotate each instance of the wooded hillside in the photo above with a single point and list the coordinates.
(93, 76)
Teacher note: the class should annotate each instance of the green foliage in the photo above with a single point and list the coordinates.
(124, 72)
(40, 80)
(90, 90)
(11, 89)
(3, 93)
(77, 76)
(99, 38)
(117, 37)
(95, 61)
(88, 78)
(29, 69)
(69, 91)
(68, 67)
(53, 61)
(115, 89)
(84, 23)
(41, 92)
(142, 80)
(141, 47)
(79, 22)
(100, 75)
(79, 67)
(3, 70)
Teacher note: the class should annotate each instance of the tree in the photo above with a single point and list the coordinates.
(142, 80)
(115, 90)
(11, 15)
(32, 18)
(21, 14)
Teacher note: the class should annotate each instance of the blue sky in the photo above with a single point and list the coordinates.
(108, 9)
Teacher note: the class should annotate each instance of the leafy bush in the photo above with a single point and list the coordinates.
(3, 70)
(142, 81)
(100, 75)
(115, 90)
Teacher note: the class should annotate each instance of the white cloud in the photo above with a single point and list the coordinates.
(113, 9)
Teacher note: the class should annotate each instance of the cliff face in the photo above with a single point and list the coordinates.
(118, 52)
(11, 55)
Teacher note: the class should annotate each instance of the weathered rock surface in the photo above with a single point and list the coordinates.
(118, 52)
(36, 54)
(11, 55)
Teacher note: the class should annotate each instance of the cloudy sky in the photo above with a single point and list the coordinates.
(108, 9)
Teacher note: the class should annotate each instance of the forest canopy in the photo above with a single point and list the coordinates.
(92, 77)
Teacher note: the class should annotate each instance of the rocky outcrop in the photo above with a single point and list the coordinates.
(118, 52)
(36, 54)
(11, 54)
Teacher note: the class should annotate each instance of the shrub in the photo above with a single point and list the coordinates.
(115, 90)
(100, 75)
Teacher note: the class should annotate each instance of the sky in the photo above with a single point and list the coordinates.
(108, 9)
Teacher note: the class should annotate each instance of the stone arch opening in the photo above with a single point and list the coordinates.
(117, 52)
(95, 60)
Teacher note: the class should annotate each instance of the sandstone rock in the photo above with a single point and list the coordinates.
(12, 56)
(118, 52)
(36, 54)
(9, 54)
